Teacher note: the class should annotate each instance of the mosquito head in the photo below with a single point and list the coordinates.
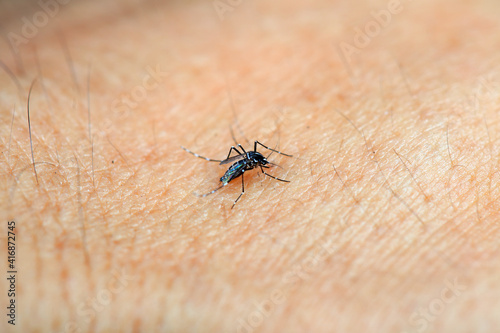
(259, 159)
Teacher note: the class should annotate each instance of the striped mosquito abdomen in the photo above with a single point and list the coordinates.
(233, 172)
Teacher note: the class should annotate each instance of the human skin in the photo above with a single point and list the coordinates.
(389, 223)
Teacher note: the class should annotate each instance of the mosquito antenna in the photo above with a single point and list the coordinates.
(273, 164)
(274, 150)
(271, 149)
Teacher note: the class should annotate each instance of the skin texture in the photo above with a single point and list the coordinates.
(389, 223)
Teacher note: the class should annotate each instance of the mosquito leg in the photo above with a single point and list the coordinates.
(205, 158)
(242, 190)
(230, 95)
(276, 151)
(281, 180)
(211, 192)
(241, 147)
(232, 135)
(277, 145)
(230, 151)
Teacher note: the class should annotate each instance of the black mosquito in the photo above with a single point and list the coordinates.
(240, 163)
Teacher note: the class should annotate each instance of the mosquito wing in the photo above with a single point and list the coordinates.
(233, 159)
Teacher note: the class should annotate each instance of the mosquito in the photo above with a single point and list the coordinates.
(242, 162)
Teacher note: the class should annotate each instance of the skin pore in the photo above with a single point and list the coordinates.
(389, 223)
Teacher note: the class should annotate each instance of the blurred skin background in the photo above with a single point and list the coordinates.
(390, 222)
